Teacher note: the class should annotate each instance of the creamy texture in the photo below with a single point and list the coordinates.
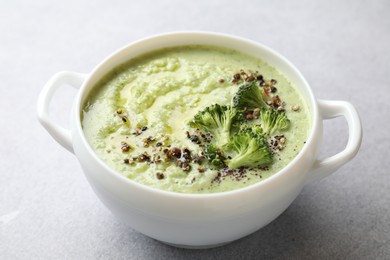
(162, 91)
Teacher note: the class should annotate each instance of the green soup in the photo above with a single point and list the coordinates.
(137, 118)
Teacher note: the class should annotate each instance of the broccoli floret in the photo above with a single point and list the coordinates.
(218, 120)
(250, 96)
(214, 155)
(251, 149)
(273, 120)
(256, 129)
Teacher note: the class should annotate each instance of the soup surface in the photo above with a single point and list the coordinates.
(147, 120)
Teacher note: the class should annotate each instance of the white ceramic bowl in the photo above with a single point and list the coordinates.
(199, 220)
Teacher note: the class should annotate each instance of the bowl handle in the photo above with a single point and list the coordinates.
(332, 109)
(60, 134)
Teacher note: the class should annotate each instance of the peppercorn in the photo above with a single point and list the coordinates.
(195, 139)
(176, 152)
(236, 77)
(201, 169)
(125, 147)
(160, 175)
(250, 78)
(186, 154)
(186, 167)
(143, 157)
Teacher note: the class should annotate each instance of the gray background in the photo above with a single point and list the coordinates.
(48, 210)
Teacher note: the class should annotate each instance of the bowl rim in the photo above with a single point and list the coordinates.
(78, 104)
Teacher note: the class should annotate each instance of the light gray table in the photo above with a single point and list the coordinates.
(47, 209)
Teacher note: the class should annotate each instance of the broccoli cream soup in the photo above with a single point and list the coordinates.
(196, 119)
